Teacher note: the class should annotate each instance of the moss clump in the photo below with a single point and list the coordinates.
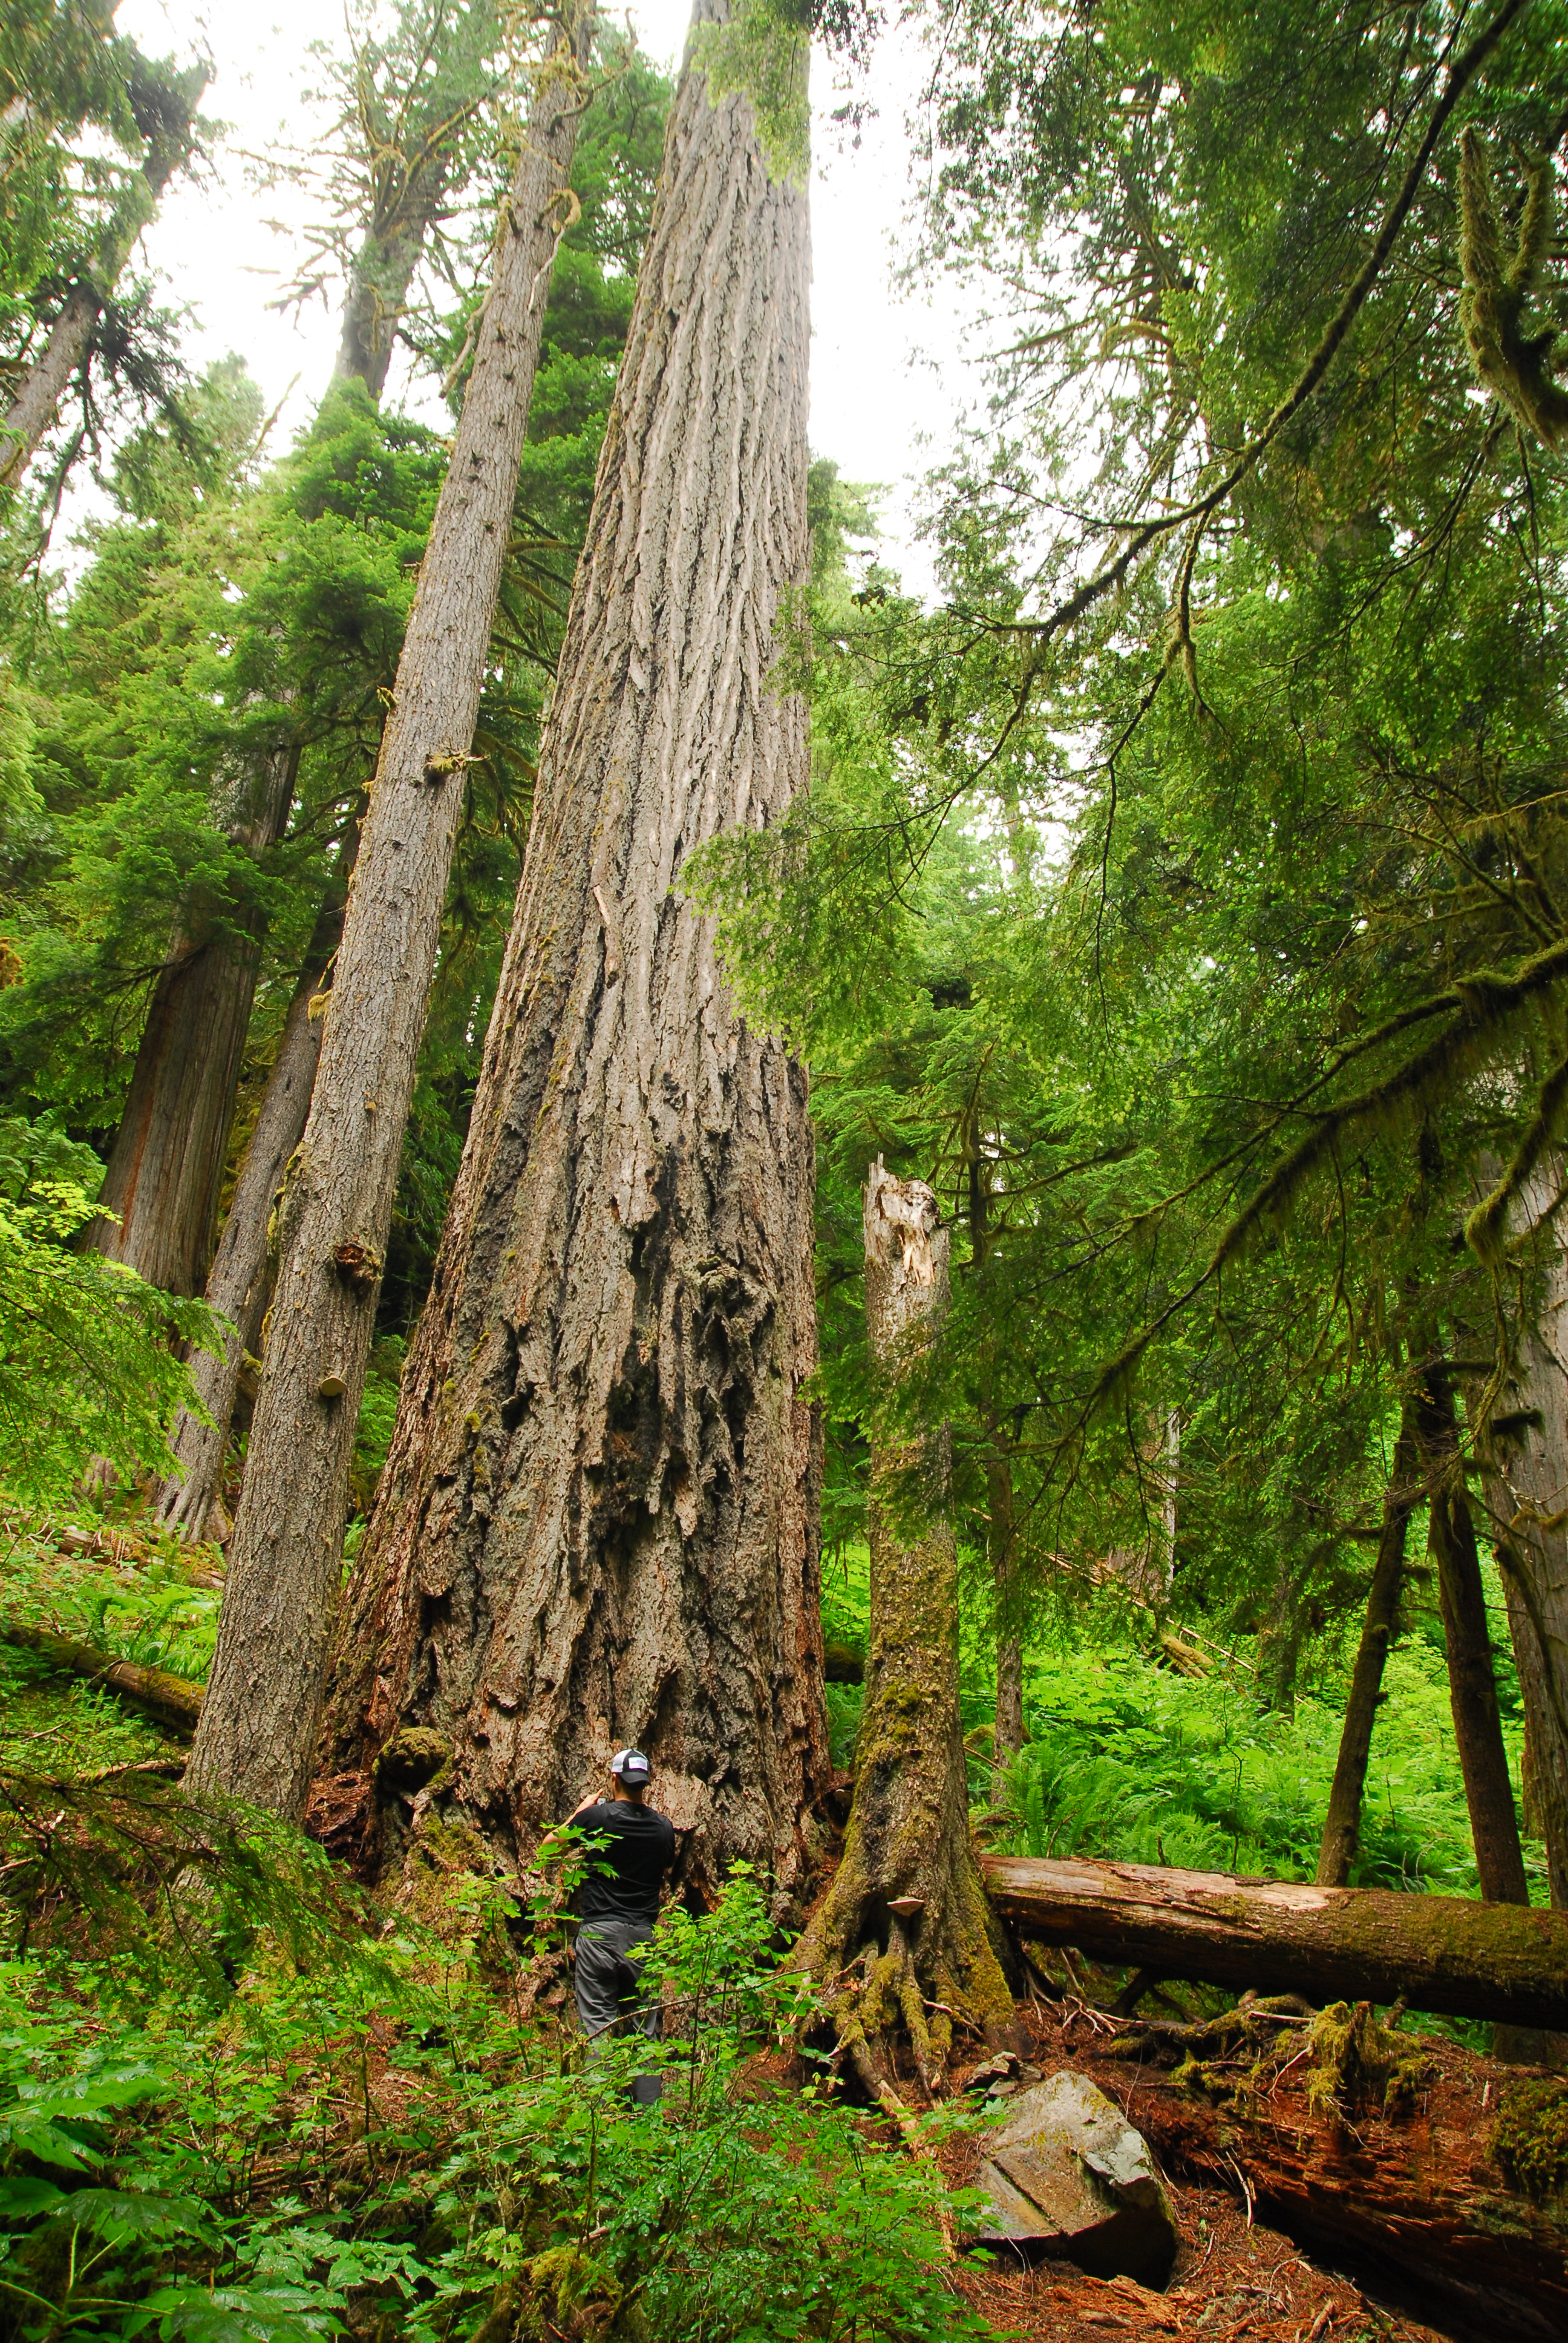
(568, 2294)
(1356, 2064)
(1529, 2144)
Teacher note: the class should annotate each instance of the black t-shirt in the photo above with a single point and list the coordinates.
(624, 1879)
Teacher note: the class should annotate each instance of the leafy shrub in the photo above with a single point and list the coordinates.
(380, 2143)
(87, 1367)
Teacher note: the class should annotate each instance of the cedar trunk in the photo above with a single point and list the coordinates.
(1008, 1736)
(1472, 1687)
(240, 1281)
(908, 1844)
(1357, 1944)
(258, 1727)
(165, 1171)
(598, 1520)
(1343, 1822)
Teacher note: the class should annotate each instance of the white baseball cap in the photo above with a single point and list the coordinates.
(630, 1766)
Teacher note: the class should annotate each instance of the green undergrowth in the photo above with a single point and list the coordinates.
(1131, 1760)
(271, 2113)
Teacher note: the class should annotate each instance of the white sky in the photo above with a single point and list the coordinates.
(883, 371)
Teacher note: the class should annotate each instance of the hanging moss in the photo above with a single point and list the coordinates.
(1530, 2145)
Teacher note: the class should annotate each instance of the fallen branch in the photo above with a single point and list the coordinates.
(173, 1701)
(1499, 1961)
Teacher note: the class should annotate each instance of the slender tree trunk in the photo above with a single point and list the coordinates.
(378, 294)
(165, 1171)
(1341, 1825)
(906, 1913)
(1526, 1452)
(1472, 1688)
(35, 402)
(598, 1520)
(240, 1281)
(257, 1733)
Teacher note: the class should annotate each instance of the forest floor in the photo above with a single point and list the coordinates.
(1234, 2282)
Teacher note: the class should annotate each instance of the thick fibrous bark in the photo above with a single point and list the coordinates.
(238, 1284)
(597, 1522)
(1436, 1952)
(258, 1727)
(1341, 1825)
(165, 1171)
(172, 1700)
(1472, 1687)
(908, 1844)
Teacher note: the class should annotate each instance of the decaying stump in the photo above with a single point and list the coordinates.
(904, 1943)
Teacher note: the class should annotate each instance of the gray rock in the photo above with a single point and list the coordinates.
(1066, 2175)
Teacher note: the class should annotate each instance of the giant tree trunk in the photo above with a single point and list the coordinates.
(1341, 1825)
(239, 1284)
(257, 1733)
(906, 1908)
(597, 1522)
(166, 113)
(1472, 1687)
(1356, 1944)
(164, 1170)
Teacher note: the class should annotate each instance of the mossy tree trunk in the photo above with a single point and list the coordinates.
(1526, 1452)
(904, 1941)
(1472, 1687)
(1341, 1825)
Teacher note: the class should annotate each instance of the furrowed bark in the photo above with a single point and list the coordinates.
(907, 1909)
(1341, 1825)
(1499, 1961)
(164, 1172)
(257, 1733)
(165, 115)
(240, 1281)
(598, 1520)
(1472, 1687)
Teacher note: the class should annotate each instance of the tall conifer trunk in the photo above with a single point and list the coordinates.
(905, 1924)
(239, 1282)
(1341, 1825)
(1472, 1687)
(164, 113)
(598, 1520)
(258, 1724)
(164, 1170)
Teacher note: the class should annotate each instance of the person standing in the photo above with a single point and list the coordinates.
(617, 1905)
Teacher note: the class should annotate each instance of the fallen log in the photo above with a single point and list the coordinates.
(173, 1701)
(1500, 1961)
(1421, 2205)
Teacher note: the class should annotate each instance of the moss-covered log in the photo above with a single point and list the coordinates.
(173, 1701)
(1499, 1961)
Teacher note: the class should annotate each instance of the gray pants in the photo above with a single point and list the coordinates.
(608, 1978)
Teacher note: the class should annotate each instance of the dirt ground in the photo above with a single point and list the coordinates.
(1230, 2280)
